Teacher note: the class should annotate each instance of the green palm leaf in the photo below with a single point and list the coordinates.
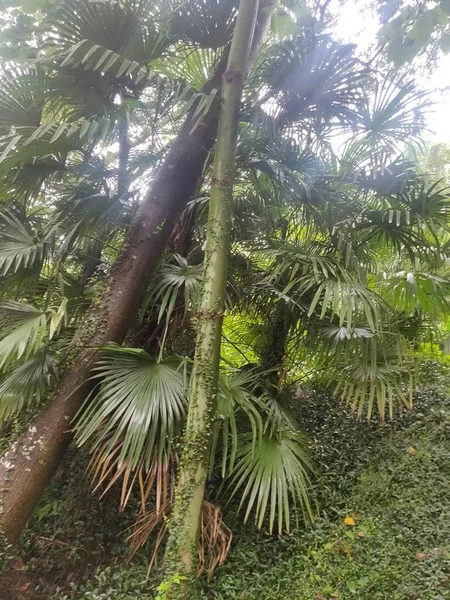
(176, 286)
(22, 96)
(140, 406)
(19, 248)
(190, 65)
(208, 24)
(23, 330)
(98, 58)
(234, 398)
(374, 372)
(414, 290)
(321, 284)
(391, 115)
(26, 382)
(273, 476)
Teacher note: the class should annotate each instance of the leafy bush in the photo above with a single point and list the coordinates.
(113, 583)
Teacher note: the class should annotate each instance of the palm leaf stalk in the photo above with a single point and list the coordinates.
(185, 523)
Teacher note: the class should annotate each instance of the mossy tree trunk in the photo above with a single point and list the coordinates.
(181, 555)
(30, 463)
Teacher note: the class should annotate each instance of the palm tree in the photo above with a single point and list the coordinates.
(313, 237)
(336, 265)
(78, 51)
(189, 495)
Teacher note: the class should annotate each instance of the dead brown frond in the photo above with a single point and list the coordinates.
(105, 468)
(145, 525)
(214, 540)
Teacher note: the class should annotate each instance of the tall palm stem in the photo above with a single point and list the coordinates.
(184, 529)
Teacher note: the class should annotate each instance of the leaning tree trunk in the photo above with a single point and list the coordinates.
(181, 555)
(29, 465)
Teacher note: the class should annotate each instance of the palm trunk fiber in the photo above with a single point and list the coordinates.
(181, 555)
(29, 465)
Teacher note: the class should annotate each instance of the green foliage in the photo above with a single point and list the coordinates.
(23, 331)
(350, 246)
(166, 586)
(274, 476)
(139, 409)
(414, 29)
(19, 249)
(175, 280)
(73, 534)
(392, 480)
(24, 383)
(235, 398)
(112, 583)
(398, 546)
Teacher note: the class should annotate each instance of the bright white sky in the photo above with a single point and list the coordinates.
(356, 25)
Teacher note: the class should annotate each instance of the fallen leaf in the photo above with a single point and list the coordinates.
(17, 564)
(421, 556)
(361, 534)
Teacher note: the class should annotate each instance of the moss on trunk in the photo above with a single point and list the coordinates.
(181, 556)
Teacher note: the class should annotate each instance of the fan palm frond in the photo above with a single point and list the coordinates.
(392, 114)
(313, 79)
(273, 476)
(191, 65)
(234, 396)
(413, 290)
(178, 285)
(22, 99)
(374, 371)
(24, 383)
(20, 248)
(132, 423)
(208, 24)
(104, 60)
(24, 328)
(321, 284)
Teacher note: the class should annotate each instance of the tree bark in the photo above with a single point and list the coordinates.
(29, 465)
(279, 323)
(181, 555)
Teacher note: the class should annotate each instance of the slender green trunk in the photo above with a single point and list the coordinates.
(181, 556)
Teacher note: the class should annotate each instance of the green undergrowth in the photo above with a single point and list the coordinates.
(391, 482)
(399, 545)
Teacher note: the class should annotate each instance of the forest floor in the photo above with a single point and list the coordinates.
(382, 531)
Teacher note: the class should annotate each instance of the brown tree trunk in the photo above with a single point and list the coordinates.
(29, 465)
